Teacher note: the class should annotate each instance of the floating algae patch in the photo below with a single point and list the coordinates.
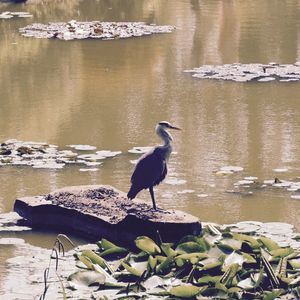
(249, 72)
(92, 30)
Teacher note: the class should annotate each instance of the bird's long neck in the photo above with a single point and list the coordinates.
(167, 138)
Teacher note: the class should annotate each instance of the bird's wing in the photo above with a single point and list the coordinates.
(150, 170)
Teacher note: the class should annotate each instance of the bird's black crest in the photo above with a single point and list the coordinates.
(164, 123)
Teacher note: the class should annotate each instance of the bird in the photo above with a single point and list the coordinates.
(151, 168)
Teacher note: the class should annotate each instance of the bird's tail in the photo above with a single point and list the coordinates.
(132, 193)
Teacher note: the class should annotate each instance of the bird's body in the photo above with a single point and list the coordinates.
(151, 168)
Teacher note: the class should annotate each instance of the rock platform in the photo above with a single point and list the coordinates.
(98, 211)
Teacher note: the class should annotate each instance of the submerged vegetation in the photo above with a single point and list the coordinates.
(219, 264)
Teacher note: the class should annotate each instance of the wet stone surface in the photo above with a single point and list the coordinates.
(92, 30)
(96, 211)
(249, 72)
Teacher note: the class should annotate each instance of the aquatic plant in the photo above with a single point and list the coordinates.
(218, 264)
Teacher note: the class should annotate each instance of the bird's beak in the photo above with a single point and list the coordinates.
(176, 128)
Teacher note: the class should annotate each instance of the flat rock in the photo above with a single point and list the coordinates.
(97, 211)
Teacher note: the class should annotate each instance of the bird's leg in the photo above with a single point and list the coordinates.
(152, 196)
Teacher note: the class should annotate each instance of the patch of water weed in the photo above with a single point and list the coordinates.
(40, 155)
(224, 262)
(249, 72)
(93, 30)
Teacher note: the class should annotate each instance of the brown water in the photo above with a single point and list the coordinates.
(112, 93)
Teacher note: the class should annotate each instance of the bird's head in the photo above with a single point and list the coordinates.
(166, 125)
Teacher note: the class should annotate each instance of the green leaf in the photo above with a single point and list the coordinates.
(146, 244)
(268, 268)
(96, 259)
(185, 291)
(211, 265)
(282, 252)
(228, 276)
(114, 250)
(188, 247)
(106, 244)
(268, 243)
(244, 237)
(166, 264)
(166, 248)
(209, 279)
(272, 295)
(152, 262)
(248, 258)
(229, 245)
(86, 261)
(193, 258)
(131, 269)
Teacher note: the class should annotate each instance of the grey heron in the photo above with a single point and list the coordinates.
(151, 168)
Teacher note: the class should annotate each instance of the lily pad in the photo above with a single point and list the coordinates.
(140, 150)
(108, 153)
(148, 245)
(89, 170)
(83, 147)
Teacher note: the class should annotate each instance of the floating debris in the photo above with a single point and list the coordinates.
(19, 14)
(92, 30)
(249, 72)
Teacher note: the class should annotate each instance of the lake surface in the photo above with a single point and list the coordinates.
(110, 94)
